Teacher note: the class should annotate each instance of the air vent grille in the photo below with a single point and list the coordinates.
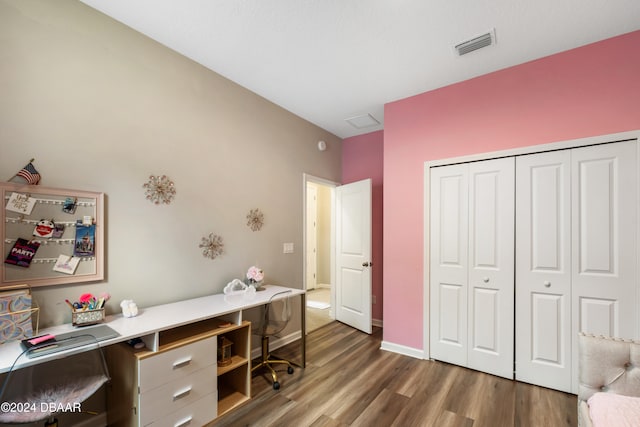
(476, 43)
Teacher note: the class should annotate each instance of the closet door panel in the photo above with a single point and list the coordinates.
(491, 269)
(449, 263)
(543, 270)
(604, 217)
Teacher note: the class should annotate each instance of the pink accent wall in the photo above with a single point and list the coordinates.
(362, 158)
(588, 91)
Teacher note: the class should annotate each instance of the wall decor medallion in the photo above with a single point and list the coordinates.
(212, 246)
(159, 189)
(255, 219)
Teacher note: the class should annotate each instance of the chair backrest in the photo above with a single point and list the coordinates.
(275, 314)
(47, 386)
(608, 364)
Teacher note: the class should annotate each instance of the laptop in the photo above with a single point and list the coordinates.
(77, 338)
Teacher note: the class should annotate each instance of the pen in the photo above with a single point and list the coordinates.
(70, 305)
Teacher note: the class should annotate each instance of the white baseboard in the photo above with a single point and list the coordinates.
(401, 349)
(277, 342)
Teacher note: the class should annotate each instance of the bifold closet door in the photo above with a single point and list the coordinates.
(472, 265)
(604, 227)
(543, 269)
(576, 256)
(449, 248)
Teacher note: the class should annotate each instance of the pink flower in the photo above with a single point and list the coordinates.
(255, 274)
(85, 298)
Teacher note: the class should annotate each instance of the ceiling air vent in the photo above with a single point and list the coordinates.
(476, 43)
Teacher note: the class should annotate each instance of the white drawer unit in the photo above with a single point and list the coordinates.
(197, 414)
(165, 367)
(180, 383)
(180, 392)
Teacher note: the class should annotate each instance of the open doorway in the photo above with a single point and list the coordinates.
(319, 249)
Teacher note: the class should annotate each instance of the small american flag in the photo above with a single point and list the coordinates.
(30, 174)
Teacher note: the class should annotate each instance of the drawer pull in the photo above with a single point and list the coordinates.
(181, 363)
(181, 394)
(184, 422)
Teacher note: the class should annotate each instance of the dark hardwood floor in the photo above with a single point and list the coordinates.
(349, 381)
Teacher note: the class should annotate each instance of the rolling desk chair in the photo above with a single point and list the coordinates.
(274, 317)
(40, 390)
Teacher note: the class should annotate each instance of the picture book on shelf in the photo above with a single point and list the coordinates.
(22, 252)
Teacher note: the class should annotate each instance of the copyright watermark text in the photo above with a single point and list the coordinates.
(23, 407)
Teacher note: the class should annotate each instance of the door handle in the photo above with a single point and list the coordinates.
(367, 264)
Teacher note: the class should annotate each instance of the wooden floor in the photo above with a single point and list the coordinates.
(349, 381)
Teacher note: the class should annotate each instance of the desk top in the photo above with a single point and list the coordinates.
(151, 320)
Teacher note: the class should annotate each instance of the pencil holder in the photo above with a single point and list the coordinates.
(87, 317)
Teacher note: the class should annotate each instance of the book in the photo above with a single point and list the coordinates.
(22, 252)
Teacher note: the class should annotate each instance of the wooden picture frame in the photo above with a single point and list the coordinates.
(56, 205)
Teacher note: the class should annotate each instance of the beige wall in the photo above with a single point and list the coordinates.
(101, 107)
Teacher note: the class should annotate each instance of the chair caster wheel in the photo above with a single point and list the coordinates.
(289, 370)
(276, 385)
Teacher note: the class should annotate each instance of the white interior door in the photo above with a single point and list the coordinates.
(449, 222)
(353, 254)
(312, 236)
(491, 266)
(543, 269)
(604, 220)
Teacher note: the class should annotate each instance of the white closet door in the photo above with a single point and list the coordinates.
(491, 266)
(448, 259)
(604, 217)
(543, 269)
(472, 216)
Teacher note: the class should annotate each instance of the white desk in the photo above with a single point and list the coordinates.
(152, 320)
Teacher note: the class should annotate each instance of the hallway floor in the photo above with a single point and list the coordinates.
(317, 317)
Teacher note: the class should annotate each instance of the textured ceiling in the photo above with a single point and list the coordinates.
(331, 60)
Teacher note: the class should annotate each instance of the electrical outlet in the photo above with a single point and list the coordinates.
(373, 298)
(287, 248)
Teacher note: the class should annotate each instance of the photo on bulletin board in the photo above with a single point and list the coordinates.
(22, 253)
(85, 240)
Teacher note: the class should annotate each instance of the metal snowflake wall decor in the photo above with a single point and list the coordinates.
(212, 246)
(255, 219)
(159, 189)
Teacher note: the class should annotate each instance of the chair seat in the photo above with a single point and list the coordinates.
(46, 401)
(274, 318)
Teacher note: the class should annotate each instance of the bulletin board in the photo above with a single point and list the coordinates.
(51, 236)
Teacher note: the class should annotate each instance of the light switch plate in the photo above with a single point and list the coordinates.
(287, 248)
